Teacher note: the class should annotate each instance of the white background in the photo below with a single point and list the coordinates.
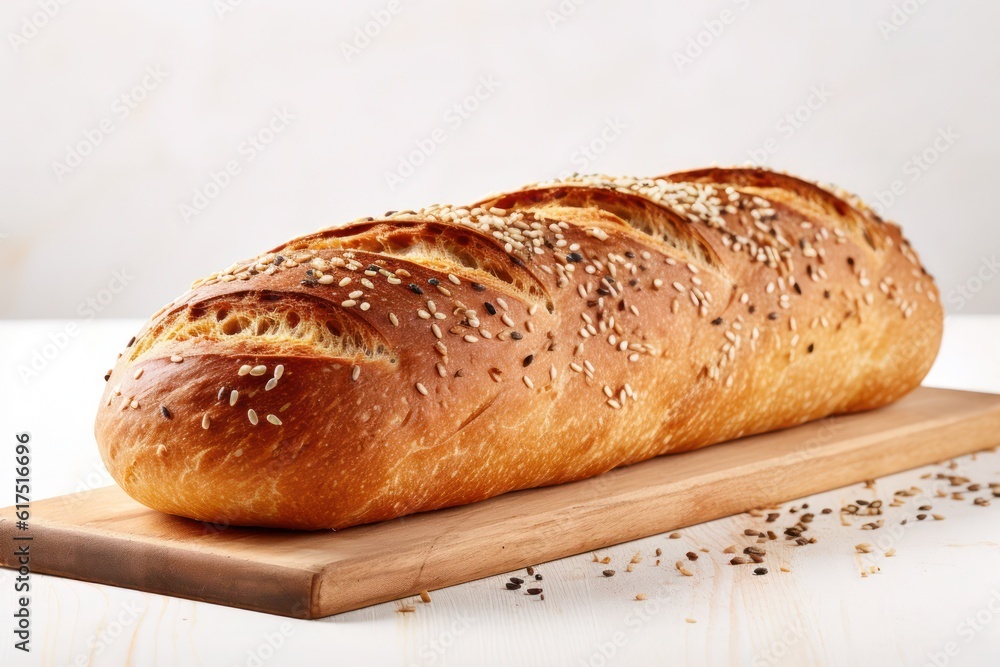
(562, 72)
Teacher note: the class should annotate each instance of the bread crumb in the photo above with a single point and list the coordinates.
(405, 609)
(683, 570)
(690, 620)
(863, 548)
(606, 560)
(640, 597)
(637, 558)
(784, 568)
(731, 549)
(891, 552)
(630, 567)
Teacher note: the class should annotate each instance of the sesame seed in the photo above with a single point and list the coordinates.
(415, 288)
(356, 294)
(502, 303)
(344, 282)
(393, 319)
(271, 384)
(453, 278)
(245, 369)
(274, 420)
(206, 421)
(176, 358)
(166, 412)
(576, 367)
(355, 373)
(479, 287)
(348, 303)
(258, 370)
(279, 370)
(552, 372)
(365, 305)
(469, 338)
(528, 383)
(615, 404)
(421, 388)
(527, 360)
(234, 396)
(442, 371)
(423, 314)
(252, 416)
(325, 280)
(138, 373)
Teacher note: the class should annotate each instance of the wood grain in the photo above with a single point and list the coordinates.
(104, 536)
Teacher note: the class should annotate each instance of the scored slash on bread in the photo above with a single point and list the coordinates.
(432, 358)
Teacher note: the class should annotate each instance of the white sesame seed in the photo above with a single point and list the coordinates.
(325, 280)
(356, 294)
(502, 303)
(252, 416)
(615, 404)
(657, 283)
(527, 382)
(469, 338)
(442, 371)
(206, 421)
(553, 373)
(678, 286)
(279, 370)
(576, 367)
(138, 374)
(367, 283)
(423, 314)
(453, 278)
(348, 303)
(271, 384)
(505, 318)
(245, 369)
(421, 388)
(176, 358)
(258, 370)
(234, 396)
(345, 281)
(394, 319)
(355, 373)
(365, 305)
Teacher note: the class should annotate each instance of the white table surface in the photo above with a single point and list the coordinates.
(940, 593)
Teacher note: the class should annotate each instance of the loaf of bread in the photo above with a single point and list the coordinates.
(432, 358)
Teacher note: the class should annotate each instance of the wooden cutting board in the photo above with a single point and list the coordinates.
(104, 536)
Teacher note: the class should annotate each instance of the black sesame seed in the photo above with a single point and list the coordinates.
(107, 376)
(611, 281)
(222, 392)
(630, 254)
(388, 213)
(603, 291)
(479, 287)
(812, 346)
(534, 591)
(372, 267)
(415, 288)
(633, 282)
(517, 260)
(527, 360)
(517, 580)
(772, 316)
(752, 309)
(516, 335)
(760, 570)
(490, 308)
(574, 257)
(512, 586)
(434, 281)
(850, 261)
(538, 577)
(717, 321)
(278, 260)
(131, 342)
(165, 412)
(309, 282)
(826, 294)
(798, 290)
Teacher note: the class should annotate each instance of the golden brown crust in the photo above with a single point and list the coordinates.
(540, 336)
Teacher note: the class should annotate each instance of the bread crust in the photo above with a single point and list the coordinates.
(540, 336)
